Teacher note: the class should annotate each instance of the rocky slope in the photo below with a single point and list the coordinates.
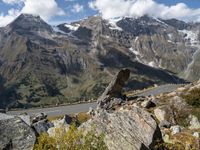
(41, 64)
(138, 121)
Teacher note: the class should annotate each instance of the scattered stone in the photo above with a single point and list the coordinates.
(165, 113)
(91, 111)
(164, 124)
(114, 90)
(126, 129)
(196, 134)
(58, 124)
(194, 122)
(148, 104)
(15, 134)
(42, 126)
(175, 129)
(38, 117)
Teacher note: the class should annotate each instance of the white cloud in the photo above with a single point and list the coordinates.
(6, 19)
(77, 8)
(12, 1)
(45, 8)
(137, 8)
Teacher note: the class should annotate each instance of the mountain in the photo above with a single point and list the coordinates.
(44, 65)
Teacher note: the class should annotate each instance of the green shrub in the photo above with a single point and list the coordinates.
(73, 139)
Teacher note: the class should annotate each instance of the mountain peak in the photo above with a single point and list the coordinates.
(30, 23)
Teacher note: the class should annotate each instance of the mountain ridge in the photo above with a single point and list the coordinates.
(76, 61)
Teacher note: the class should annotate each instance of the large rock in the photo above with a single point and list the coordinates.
(42, 126)
(114, 90)
(194, 122)
(58, 124)
(126, 129)
(165, 113)
(15, 134)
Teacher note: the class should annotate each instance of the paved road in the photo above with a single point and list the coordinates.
(161, 89)
(56, 111)
(62, 110)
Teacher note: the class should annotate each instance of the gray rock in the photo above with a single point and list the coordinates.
(126, 129)
(26, 119)
(4, 116)
(114, 90)
(58, 124)
(38, 117)
(165, 113)
(148, 104)
(175, 129)
(42, 126)
(194, 122)
(15, 134)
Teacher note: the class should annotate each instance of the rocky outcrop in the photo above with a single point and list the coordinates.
(42, 126)
(165, 113)
(133, 129)
(15, 134)
(113, 96)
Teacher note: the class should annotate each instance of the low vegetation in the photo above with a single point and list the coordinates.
(73, 139)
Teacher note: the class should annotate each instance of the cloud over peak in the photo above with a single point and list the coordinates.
(138, 8)
(45, 8)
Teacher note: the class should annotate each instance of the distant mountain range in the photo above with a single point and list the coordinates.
(42, 64)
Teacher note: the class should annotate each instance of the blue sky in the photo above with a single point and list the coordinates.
(59, 11)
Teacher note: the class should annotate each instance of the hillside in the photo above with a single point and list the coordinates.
(44, 65)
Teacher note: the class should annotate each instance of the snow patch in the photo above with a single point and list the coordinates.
(191, 36)
(136, 39)
(134, 51)
(152, 64)
(56, 29)
(73, 27)
(113, 24)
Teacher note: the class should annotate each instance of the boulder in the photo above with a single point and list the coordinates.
(114, 90)
(42, 126)
(175, 129)
(194, 122)
(124, 129)
(15, 134)
(165, 113)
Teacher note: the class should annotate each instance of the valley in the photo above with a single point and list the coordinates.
(45, 65)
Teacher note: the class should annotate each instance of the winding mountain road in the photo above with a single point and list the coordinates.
(71, 109)
(160, 89)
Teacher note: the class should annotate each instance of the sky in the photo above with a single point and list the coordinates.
(62, 11)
